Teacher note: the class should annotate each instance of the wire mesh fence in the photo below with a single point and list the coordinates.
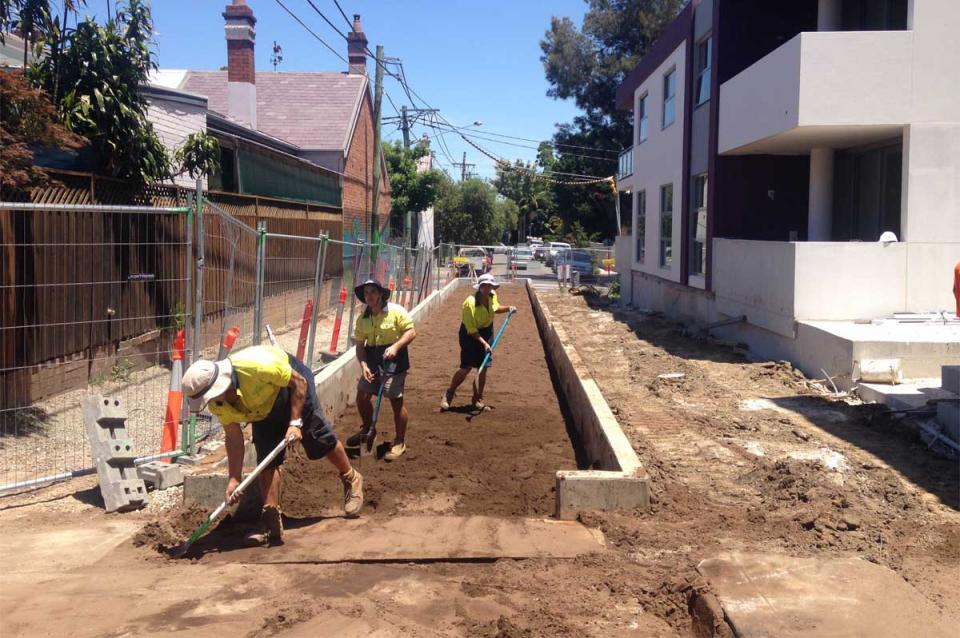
(92, 299)
(94, 296)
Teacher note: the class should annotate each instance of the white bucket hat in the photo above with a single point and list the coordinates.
(206, 380)
(486, 279)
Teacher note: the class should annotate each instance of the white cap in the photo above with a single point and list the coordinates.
(486, 279)
(206, 380)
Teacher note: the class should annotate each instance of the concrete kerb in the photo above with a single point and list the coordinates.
(617, 479)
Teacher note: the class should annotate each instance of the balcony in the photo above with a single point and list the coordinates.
(625, 165)
(836, 89)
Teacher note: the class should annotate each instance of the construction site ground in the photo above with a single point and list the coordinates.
(742, 456)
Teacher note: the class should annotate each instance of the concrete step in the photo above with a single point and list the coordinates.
(776, 595)
(950, 378)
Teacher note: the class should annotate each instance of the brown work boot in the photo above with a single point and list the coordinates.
(273, 524)
(352, 493)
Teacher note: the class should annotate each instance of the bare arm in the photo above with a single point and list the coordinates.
(233, 440)
(400, 343)
(362, 358)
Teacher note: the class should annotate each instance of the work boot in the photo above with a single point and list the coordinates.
(352, 493)
(396, 451)
(273, 524)
(355, 440)
(445, 401)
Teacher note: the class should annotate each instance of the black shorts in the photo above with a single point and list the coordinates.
(318, 436)
(471, 350)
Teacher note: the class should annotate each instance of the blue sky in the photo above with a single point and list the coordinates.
(472, 60)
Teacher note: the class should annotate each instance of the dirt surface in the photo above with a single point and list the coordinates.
(742, 456)
(502, 461)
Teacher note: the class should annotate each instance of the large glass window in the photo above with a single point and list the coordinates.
(669, 98)
(640, 228)
(873, 15)
(666, 225)
(698, 225)
(642, 113)
(704, 61)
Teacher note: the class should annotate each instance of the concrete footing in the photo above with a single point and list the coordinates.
(616, 480)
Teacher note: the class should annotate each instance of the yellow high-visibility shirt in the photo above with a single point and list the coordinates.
(261, 372)
(476, 316)
(384, 328)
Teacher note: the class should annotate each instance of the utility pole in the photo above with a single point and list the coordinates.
(405, 126)
(464, 167)
(377, 156)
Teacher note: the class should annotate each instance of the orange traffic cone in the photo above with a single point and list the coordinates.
(171, 419)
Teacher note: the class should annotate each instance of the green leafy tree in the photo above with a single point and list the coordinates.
(587, 64)
(410, 191)
(468, 213)
(199, 155)
(99, 75)
(533, 197)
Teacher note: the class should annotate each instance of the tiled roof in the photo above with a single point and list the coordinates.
(311, 110)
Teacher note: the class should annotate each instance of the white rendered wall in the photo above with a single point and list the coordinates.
(659, 160)
(173, 121)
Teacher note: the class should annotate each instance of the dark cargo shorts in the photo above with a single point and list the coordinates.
(318, 436)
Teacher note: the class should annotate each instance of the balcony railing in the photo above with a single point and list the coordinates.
(625, 166)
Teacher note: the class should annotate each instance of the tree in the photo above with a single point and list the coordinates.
(410, 191)
(100, 74)
(468, 213)
(533, 197)
(588, 64)
(27, 120)
(199, 155)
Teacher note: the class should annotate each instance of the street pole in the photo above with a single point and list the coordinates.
(405, 126)
(377, 156)
(463, 167)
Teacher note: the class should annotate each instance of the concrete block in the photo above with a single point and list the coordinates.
(105, 420)
(206, 491)
(583, 490)
(161, 475)
(950, 378)
(948, 416)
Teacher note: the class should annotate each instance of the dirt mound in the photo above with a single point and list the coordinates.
(171, 530)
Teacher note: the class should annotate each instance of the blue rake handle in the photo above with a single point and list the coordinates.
(385, 373)
(496, 340)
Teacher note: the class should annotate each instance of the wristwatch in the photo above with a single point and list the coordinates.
(296, 423)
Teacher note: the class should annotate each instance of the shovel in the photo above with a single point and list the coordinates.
(385, 373)
(181, 550)
(496, 340)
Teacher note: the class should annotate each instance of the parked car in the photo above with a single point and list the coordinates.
(580, 261)
(551, 250)
(473, 257)
(520, 258)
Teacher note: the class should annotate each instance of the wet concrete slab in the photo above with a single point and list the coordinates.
(424, 539)
(767, 595)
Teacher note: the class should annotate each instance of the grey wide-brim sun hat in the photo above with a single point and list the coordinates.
(358, 291)
(486, 279)
(205, 381)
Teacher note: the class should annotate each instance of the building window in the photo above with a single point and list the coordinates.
(666, 225)
(698, 226)
(642, 112)
(874, 15)
(640, 228)
(669, 98)
(704, 61)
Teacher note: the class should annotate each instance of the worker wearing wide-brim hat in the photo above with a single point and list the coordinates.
(476, 336)
(274, 392)
(382, 335)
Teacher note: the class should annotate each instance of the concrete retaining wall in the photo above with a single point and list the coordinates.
(616, 479)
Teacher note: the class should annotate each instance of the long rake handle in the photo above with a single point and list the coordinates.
(240, 488)
(496, 340)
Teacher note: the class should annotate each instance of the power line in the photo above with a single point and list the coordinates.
(480, 136)
(339, 8)
(327, 20)
(311, 31)
(554, 144)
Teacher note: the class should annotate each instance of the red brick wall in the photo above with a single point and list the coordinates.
(358, 183)
(240, 62)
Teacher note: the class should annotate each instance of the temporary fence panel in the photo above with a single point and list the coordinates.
(92, 298)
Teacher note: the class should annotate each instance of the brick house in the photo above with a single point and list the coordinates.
(323, 119)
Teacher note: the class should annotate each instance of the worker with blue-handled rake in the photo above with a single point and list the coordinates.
(476, 339)
(382, 334)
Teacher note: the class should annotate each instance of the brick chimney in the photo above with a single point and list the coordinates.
(357, 48)
(241, 72)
